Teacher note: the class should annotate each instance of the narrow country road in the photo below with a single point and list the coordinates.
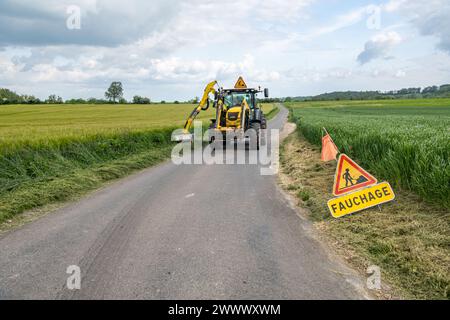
(176, 232)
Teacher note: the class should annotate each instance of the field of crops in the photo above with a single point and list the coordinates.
(48, 122)
(50, 152)
(20, 123)
(406, 142)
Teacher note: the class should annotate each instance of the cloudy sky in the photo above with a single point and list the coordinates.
(169, 49)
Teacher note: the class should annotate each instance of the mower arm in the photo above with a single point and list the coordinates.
(202, 106)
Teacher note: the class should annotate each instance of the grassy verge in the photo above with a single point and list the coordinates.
(408, 239)
(39, 173)
(272, 113)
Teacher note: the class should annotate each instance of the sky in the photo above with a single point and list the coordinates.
(170, 49)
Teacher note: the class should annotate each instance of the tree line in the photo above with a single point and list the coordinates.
(405, 93)
(113, 95)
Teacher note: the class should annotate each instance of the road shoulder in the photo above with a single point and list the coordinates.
(406, 239)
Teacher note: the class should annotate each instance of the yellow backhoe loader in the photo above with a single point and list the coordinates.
(237, 111)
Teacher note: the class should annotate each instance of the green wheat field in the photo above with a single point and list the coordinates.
(406, 142)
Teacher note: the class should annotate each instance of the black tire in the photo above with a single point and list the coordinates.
(257, 127)
(263, 123)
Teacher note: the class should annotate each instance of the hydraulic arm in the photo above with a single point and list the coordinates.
(202, 106)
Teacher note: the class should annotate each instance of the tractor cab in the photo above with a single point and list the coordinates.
(240, 108)
(236, 101)
(233, 97)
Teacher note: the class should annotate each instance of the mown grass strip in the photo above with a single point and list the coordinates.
(37, 174)
(272, 113)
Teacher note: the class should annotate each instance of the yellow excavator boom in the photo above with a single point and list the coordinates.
(202, 106)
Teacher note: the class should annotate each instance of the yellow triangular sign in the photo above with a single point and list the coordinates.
(350, 176)
(240, 84)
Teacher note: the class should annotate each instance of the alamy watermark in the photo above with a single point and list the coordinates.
(74, 280)
(373, 22)
(232, 147)
(73, 22)
(374, 280)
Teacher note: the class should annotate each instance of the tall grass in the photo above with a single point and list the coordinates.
(42, 172)
(407, 145)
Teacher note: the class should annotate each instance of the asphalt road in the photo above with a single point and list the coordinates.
(176, 232)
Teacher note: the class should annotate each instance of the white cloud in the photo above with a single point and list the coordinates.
(103, 22)
(317, 75)
(156, 45)
(379, 46)
(400, 74)
(394, 5)
(279, 10)
(432, 18)
(215, 26)
(93, 69)
(342, 21)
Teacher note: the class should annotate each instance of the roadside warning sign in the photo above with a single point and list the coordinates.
(240, 84)
(361, 199)
(350, 176)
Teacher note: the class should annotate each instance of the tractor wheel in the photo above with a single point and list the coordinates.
(256, 126)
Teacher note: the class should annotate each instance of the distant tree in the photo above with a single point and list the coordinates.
(114, 92)
(444, 88)
(7, 96)
(141, 100)
(431, 89)
(53, 99)
(271, 100)
(137, 100)
(97, 101)
(176, 102)
(163, 101)
(30, 99)
(123, 101)
(196, 100)
(76, 101)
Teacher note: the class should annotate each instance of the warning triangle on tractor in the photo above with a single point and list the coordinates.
(240, 84)
(350, 176)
